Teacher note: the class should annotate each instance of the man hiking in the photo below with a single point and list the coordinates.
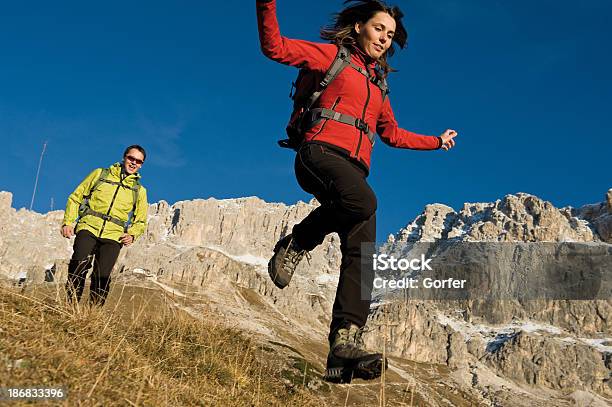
(337, 126)
(110, 211)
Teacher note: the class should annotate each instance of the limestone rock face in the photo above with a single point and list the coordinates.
(542, 361)
(240, 227)
(576, 335)
(515, 218)
(220, 246)
(599, 216)
(6, 199)
(433, 224)
(406, 328)
(221, 277)
(580, 318)
(29, 242)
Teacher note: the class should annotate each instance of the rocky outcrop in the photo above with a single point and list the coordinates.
(222, 278)
(579, 318)
(514, 218)
(556, 364)
(526, 352)
(599, 216)
(237, 225)
(405, 336)
(247, 227)
(6, 200)
(29, 242)
(497, 332)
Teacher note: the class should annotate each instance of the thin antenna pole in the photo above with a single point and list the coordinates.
(38, 173)
(52, 203)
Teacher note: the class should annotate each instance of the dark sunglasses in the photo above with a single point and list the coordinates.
(134, 160)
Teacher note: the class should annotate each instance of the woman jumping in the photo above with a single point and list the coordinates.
(333, 160)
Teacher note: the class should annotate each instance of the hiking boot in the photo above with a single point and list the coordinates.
(282, 265)
(349, 359)
(338, 370)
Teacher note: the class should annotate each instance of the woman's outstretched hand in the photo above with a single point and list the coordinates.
(447, 139)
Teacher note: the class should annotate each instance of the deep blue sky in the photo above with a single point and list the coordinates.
(527, 84)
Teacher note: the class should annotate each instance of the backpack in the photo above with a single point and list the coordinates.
(85, 210)
(309, 87)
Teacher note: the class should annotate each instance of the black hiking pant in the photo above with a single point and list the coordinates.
(348, 207)
(86, 247)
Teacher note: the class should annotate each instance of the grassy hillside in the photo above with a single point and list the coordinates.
(137, 350)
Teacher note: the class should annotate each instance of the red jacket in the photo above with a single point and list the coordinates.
(350, 93)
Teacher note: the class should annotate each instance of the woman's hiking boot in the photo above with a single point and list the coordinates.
(287, 256)
(348, 359)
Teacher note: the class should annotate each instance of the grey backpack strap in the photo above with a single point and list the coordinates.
(378, 79)
(101, 179)
(90, 212)
(323, 113)
(384, 88)
(85, 203)
(135, 190)
(341, 61)
(381, 82)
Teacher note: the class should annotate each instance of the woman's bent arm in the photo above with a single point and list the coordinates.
(395, 136)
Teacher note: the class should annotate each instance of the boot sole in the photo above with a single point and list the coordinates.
(366, 370)
(274, 276)
(338, 375)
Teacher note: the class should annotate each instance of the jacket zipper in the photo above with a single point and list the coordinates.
(324, 123)
(109, 209)
(365, 107)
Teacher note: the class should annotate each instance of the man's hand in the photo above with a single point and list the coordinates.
(67, 231)
(126, 239)
(447, 139)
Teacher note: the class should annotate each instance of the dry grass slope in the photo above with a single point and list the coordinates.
(136, 350)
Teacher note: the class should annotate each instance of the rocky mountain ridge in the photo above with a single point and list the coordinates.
(514, 218)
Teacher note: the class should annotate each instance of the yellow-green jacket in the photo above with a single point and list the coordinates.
(119, 199)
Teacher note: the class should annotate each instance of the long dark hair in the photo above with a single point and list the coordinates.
(341, 31)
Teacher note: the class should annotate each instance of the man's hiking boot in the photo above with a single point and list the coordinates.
(348, 359)
(282, 265)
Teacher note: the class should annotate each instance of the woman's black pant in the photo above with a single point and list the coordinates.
(348, 207)
(86, 246)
